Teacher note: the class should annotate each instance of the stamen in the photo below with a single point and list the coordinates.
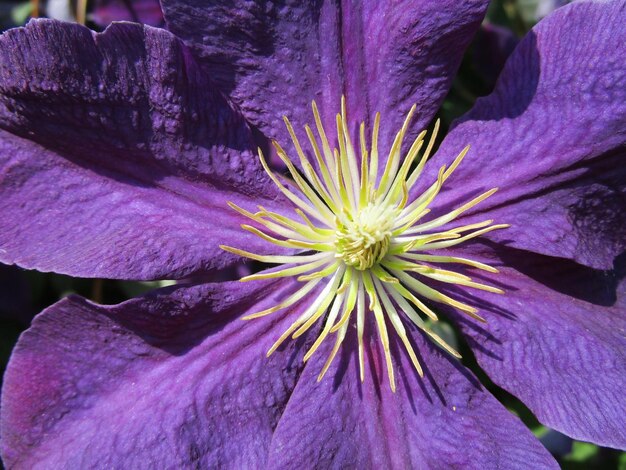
(324, 168)
(309, 230)
(332, 315)
(351, 156)
(292, 299)
(418, 170)
(264, 236)
(444, 219)
(446, 244)
(286, 272)
(391, 168)
(382, 328)
(328, 270)
(373, 172)
(320, 311)
(364, 172)
(340, 337)
(320, 303)
(357, 235)
(328, 154)
(399, 327)
(282, 230)
(349, 306)
(303, 185)
(410, 312)
(450, 259)
(360, 325)
(399, 183)
(291, 196)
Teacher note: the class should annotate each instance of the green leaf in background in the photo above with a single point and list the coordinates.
(21, 12)
(583, 455)
(135, 289)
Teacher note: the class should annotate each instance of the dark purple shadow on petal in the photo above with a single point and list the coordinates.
(129, 142)
(272, 58)
(411, 428)
(595, 198)
(519, 95)
(519, 92)
(576, 114)
(161, 331)
(492, 47)
(131, 117)
(375, 355)
(96, 355)
(343, 359)
(471, 378)
(595, 286)
(562, 354)
(433, 392)
(600, 207)
(467, 323)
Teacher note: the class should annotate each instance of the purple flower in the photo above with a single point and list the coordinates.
(142, 11)
(120, 152)
(493, 46)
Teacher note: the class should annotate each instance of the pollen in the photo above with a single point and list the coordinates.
(362, 248)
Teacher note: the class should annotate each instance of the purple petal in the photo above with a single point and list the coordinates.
(384, 56)
(556, 339)
(446, 420)
(171, 380)
(140, 11)
(492, 47)
(549, 136)
(119, 157)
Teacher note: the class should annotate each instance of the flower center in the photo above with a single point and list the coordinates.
(356, 234)
(363, 242)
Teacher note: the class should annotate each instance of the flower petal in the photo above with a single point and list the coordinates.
(140, 11)
(491, 49)
(549, 136)
(171, 380)
(557, 340)
(273, 59)
(118, 157)
(445, 420)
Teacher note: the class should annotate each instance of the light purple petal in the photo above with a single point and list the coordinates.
(557, 340)
(118, 156)
(273, 59)
(172, 380)
(550, 136)
(446, 420)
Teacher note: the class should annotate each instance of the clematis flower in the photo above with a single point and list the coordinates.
(134, 154)
(141, 11)
(493, 46)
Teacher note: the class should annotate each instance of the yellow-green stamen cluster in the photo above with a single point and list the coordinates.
(360, 237)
